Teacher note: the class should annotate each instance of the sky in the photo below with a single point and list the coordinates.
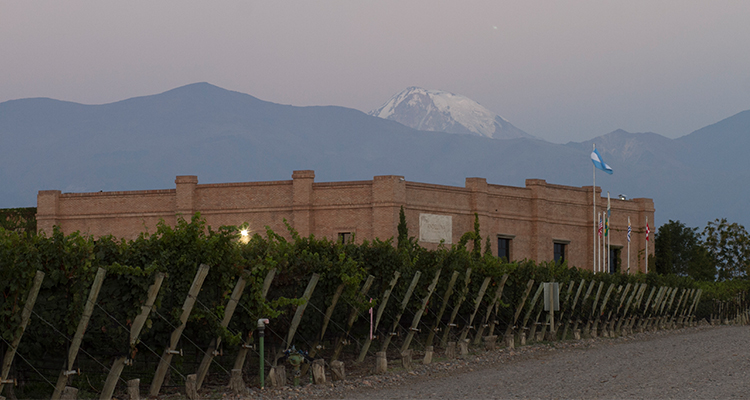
(562, 71)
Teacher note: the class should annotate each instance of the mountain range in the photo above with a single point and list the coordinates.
(226, 136)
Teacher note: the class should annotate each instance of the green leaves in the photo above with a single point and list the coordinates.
(729, 247)
(70, 262)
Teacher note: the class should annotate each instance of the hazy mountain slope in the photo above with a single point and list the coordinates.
(721, 146)
(225, 136)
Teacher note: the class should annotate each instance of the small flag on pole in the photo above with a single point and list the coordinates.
(629, 229)
(601, 225)
(606, 219)
(596, 158)
(647, 231)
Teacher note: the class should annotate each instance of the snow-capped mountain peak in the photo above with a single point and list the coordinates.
(437, 110)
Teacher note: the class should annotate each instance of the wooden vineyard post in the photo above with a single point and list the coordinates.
(381, 308)
(135, 331)
(601, 307)
(418, 315)
(642, 318)
(326, 320)
(352, 318)
(532, 307)
(616, 314)
(655, 306)
(583, 308)
(686, 309)
(187, 308)
(404, 303)
(681, 318)
(678, 306)
(28, 306)
(210, 353)
(658, 306)
(490, 307)
(300, 311)
(477, 304)
(239, 362)
(665, 312)
(695, 303)
(564, 306)
(654, 321)
(685, 304)
(689, 313)
(612, 310)
(75, 345)
(661, 310)
(636, 307)
(630, 308)
(512, 326)
(623, 316)
(587, 329)
(446, 296)
(467, 281)
(572, 310)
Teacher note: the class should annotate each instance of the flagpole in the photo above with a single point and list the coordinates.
(647, 244)
(628, 245)
(600, 243)
(593, 167)
(606, 229)
(598, 261)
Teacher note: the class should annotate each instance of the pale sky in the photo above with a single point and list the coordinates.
(560, 70)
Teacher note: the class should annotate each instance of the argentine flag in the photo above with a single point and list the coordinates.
(596, 158)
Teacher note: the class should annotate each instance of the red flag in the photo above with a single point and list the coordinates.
(647, 231)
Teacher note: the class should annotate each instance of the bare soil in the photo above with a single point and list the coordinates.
(704, 362)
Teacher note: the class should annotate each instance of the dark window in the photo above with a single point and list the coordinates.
(503, 248)
(345, 237)
(560, 252)
(614, 258)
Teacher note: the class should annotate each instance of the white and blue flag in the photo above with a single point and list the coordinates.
(629, 229)
(596, 158)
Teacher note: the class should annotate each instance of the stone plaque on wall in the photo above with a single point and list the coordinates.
(435, 228)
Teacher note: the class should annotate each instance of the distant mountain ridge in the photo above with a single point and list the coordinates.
(227, 136)
(440, 111)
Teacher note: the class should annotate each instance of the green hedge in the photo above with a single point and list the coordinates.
(71, 261)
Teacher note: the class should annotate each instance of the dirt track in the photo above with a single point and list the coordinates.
(703, 362)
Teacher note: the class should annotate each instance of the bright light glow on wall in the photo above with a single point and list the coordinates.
(244, 236)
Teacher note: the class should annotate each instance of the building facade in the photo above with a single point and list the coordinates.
(541, 221)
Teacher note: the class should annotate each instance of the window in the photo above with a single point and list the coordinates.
(560, 252)
(614, 260)
(503, 246)
(345, 237)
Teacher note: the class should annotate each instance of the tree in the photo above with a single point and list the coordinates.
(404, 241)
(680, 251)
(729, 247)
(477, 250)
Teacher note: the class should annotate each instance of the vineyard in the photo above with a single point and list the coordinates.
(182, 305)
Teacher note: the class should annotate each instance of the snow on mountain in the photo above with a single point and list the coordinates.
(437, 110)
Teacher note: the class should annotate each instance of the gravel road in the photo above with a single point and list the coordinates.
(693, 363)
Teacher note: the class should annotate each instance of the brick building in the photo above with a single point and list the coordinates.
(541, 221)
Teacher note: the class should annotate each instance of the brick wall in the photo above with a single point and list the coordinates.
(534, 217)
